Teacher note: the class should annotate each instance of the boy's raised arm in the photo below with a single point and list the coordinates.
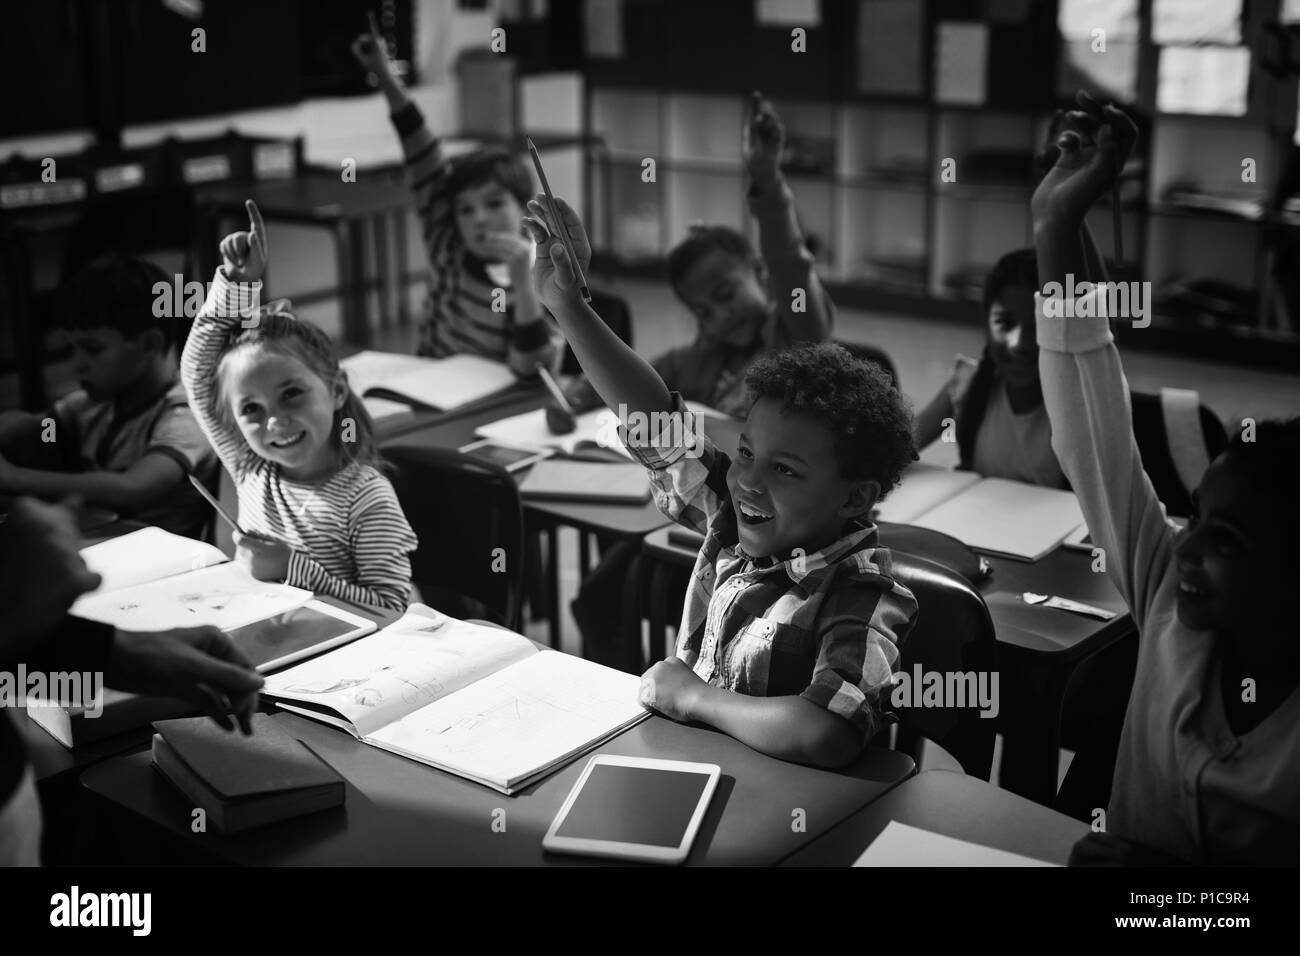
(804, 309)
(625, 381)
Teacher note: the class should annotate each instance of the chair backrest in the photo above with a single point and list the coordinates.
(870, 353)
(615, 313)
(953, 634)
(1158, 461)
(463, 510)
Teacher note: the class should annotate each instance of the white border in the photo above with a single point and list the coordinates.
(634, 851)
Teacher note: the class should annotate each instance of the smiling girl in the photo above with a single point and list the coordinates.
(268, 393)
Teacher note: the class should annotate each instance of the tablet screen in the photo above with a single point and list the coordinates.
(634, 805)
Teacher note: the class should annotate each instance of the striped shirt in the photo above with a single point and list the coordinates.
(349, 537)
(826, 627)
(459, 317)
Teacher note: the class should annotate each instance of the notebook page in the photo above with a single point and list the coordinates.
(1007, 517)
(520, 719)
(147, 555)
(451, 382)
(903, 845)
(421, 657)
(922, 488)
(225, 596)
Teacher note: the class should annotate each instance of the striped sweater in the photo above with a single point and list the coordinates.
(349, 537)
(458, 309)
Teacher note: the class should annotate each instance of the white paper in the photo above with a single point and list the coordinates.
(420, 658)
(961, 63)
(147, 555)
(922, 488)
(1195, 21)
(225, 596)
(444, 383)
(1006, 517)
(519, 720)
(1206, 80)
(903, 845)
(529, 430)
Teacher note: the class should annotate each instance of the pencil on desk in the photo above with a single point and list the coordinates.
(554, 388)
(207, 495)
(559, 222)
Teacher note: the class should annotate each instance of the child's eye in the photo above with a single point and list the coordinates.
(292, 393)
(248, 410)
(785, 470)
(724, 294)
(745, 453)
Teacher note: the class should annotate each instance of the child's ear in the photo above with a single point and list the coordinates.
(339, 390)
(860, 499)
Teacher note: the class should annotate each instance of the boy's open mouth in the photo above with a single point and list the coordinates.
(287, 442)
(1186, 589)
(751, 515)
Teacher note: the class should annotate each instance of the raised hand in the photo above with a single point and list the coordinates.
(245, 254)
(764, 141)
(1092, 148)
(368, 48)
(553, 274)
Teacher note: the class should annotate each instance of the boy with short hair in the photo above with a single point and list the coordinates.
(126, 439)
(470, 210)
(793, 621)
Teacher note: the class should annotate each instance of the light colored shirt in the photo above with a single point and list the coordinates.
(1017, 447)
(1185, 783)
(107, 441)
(349, 536)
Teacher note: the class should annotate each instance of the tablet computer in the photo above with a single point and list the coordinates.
(512, 459)
(634, 808)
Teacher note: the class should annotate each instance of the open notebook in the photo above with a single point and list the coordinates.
(153, 580)
(480, 702)
(1008, 518)
(595, 430)
(389, 381)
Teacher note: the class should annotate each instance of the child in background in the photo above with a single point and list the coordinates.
(470, 210)
(271, 398)
(126, 439)
(1001, 426)
(791, 628)
(746, 303)
(1209, 759)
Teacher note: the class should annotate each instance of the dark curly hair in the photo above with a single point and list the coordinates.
(116, 292)
(702, 240)
(871, 421)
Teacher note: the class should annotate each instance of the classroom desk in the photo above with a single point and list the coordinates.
(955, 805)
(620, 522)
(400, 812)
(1038, 648)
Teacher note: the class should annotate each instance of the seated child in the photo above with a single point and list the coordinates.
(791, 628)
(470, 210)
(746, 303)
(1209, 757)
(1001, 426)
(269, 394)
(126, 439)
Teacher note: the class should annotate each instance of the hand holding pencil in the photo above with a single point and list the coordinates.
(559, 269)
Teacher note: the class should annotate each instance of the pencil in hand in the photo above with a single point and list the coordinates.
(559, 222)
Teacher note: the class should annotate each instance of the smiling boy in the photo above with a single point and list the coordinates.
(793, 619)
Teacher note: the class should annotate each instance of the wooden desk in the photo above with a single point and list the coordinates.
(955, 805)
(400, 812)
(621, 522)
(1038, 648)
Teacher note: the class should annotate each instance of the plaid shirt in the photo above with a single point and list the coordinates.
(826, 627)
